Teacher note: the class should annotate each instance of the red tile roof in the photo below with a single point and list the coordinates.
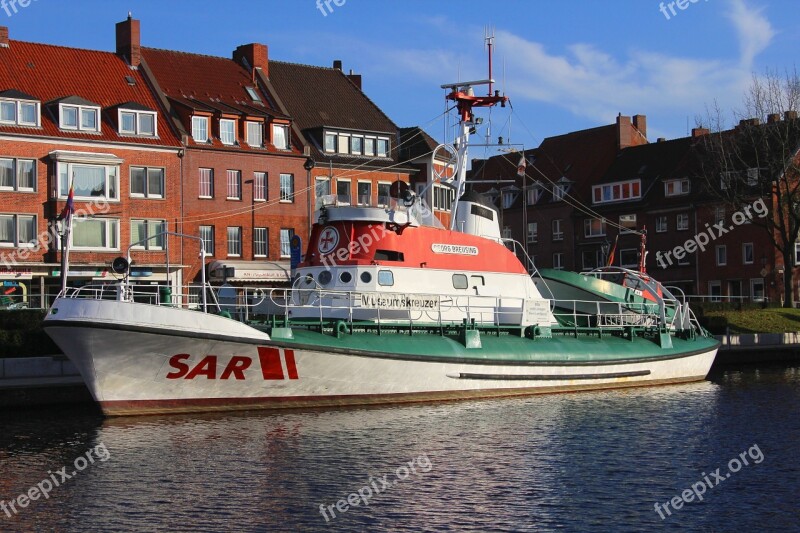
(51, 73)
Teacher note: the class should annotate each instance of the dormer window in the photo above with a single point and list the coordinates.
(227, 131)
(136, 122)
(280, 136)
(18, 109)
(330, 142)
(369, 146)
(356, 145)
(383, 147)
(253, 94)
(255, 134)
(79, 115)
(561, 189)
(200, 129)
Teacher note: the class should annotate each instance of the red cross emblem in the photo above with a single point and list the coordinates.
(328, 240)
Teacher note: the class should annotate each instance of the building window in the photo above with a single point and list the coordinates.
(558, 261)
(255, 134)
(234, 241)
(629, 258)
(722, 255)
(506, 232)
(79, 118)
(661, 224)
(17, 174)
(286, 239)
(592, 259)
(561, 189)
(747, 253)
(95, 233)
(206, 183)
(364, 192)
(343, 144)
(753, 176)
(343, 191)
(558, 232)
(617, 192)
(234, 184)
(253, 94)
(260, 186)
(89, 181)
(594, 227)
(533, 232)
(369, 145)
(719, 215)
(147, 182)
(715, 290)
(682, 222)
(627, 224)
(280, 136)
(356, 145)
(227, 131)
(287, 188)
(18, 230)
(534, 193)
(677, 187)
(200, 129)
(150, 230)
(384, 194)
(207, 234)
(137, 123)
(330, 142)
(757, 289)
(383, 147)
(19, 112)
(260, 242)
(508, 197)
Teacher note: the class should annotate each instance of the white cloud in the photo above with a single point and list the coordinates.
(754, 30)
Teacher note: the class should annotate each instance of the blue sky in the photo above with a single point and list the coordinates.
(569, 65)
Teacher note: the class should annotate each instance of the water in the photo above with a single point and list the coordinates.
(572, 462)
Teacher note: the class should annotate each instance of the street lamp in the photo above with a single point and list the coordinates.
(309, 166)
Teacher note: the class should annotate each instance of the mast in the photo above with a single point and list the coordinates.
(463, 95)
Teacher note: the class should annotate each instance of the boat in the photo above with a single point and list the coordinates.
(387, 306)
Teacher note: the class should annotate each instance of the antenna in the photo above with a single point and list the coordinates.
(488, 35)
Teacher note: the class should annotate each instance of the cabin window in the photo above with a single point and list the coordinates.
(385, 278)
(460, 281)
(366, 277)
(324, 277)
(388, 255)
(481, 212)
(477, 281)
(345, 277)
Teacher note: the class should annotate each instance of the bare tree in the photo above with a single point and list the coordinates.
(760, 158)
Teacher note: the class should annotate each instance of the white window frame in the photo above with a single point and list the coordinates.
(370, 145)
(18, 112)
(608, 191)
(196, 123)
(150, 225)
(210, 175)
(589, 229)
(627, 219)
(15, 171)
(237, 183)
(682, 217)
(745, 247)
(286, 250)
(533, 232)
(260, 186)
(383, 141)
(137, 122)
(286, 197)
(557, 230)
(251, 128)
(359, 200)
(343, 143)
(677, 187)
(558, 261)
(721, 250)
(329, 135)
(237, 241)
(256, 241)
(384, 200)
(111, 230)
(597, 260)
(17, 242)
(65, 171)
(662, 224)
(753, 282)
(711, 285)
(285, 129)
(147, 193)
(350, 190)
(224, 137)
(353, 149)
(627, 252)
(534, 193)
(209, 250)
(719, 214)
(79, 109)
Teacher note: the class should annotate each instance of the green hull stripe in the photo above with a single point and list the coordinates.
(545, 377)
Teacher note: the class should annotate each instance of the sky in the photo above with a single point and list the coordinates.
(566, 65)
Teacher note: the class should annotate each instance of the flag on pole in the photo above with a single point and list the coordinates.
(66, 213)
(521, 166)
(69, 209)
(612, 253)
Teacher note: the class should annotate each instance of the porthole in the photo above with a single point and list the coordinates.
(366, 277)
(460, 281)
(324, 277)
(345, 277)
(385, 278)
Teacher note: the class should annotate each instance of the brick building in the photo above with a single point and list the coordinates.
(87, 119)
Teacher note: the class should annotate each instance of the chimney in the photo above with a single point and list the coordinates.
(624, 132)
(749, 122)
(254, 55)
(337, 64)
(789, 115)
(3, 36)
(640, 123)
(773, 118)
(354, 78)
(129, 41)
(699, 132)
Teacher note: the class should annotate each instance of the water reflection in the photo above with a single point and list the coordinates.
(588, 461)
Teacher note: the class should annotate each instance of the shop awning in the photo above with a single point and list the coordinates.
(271, 271)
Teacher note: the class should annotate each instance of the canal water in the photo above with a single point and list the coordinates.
(721, 455)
